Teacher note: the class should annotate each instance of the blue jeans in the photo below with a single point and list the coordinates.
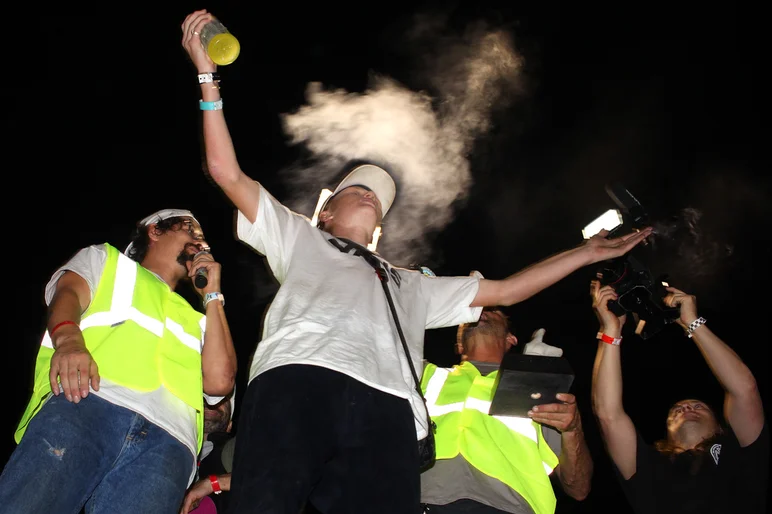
(94, 453)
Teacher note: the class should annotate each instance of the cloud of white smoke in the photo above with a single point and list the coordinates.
(423, 139)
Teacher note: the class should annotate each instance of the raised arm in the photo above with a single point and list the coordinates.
(537, 277)
(743, 408)
(616, 427)
(218, 358)
(220, 155)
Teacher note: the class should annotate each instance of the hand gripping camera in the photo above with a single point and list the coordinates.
(638, 291)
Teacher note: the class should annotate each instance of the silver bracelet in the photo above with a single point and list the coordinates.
(694, 325)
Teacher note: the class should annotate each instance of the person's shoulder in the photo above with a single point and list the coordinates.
(728, 436)
(97, 251)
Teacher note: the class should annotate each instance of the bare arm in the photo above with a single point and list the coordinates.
(575, 465)
(218, 358)
(537, 277)
(743, 408)
(220, 154)
(617, 429)
(201, 489)
(71, 363)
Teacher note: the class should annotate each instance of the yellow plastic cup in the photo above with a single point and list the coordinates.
(221, 46)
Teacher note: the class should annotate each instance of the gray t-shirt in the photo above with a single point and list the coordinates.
(455, 479)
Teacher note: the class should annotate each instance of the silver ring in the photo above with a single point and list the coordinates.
(195, 33)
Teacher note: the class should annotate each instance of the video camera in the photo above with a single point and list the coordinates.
(638, 292)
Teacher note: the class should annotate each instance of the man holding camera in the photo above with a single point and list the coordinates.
(700, 466)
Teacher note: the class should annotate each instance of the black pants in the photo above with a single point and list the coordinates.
(462, 507)
(307, 434)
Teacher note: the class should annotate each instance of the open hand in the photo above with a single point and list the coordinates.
(605, 249)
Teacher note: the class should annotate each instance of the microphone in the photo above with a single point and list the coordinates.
(201, 279)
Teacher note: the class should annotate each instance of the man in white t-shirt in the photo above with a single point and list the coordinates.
(116, 416)
(331, 413)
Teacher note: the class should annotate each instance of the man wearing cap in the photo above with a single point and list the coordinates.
(116, 420)
(331, 413)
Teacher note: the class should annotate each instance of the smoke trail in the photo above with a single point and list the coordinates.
(688, 249)
(423, 139)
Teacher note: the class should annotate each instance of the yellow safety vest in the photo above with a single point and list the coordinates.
(141, 334)
(509, 449)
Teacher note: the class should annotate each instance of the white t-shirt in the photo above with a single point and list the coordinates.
(160, 407)
(331, 310)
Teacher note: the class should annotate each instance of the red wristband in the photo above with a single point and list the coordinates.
(608, 339)
(215, 484)
(61, 324)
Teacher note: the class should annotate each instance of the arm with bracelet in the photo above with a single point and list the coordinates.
(213, 484)
(71, 363)
(218, 357)
(743, 408)
(221, 161)
(617, 429)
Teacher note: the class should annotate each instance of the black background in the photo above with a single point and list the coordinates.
(667, 99)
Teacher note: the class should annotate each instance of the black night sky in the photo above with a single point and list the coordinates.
(666, 99)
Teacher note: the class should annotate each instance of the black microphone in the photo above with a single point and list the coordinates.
(201, 279)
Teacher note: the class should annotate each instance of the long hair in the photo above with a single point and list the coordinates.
(667, 447)
(140, 240)
(699, 453)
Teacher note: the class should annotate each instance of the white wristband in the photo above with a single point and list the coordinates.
(207, 78)
(214, 296)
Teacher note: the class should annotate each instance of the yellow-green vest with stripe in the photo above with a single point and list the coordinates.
(140, 333)
(509, 449)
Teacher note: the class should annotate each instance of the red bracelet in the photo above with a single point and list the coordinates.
(67, 322)
(215, 484)
(608, 339)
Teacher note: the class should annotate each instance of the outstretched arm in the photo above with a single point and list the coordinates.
(743, 408)
(220, 155)
(616, 427)
(537, 277)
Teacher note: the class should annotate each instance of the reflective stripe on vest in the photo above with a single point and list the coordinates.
(139, 343)
(523, 426)
(507, 452)
(121, 310)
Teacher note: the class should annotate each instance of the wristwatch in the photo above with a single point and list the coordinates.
(214, 296)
